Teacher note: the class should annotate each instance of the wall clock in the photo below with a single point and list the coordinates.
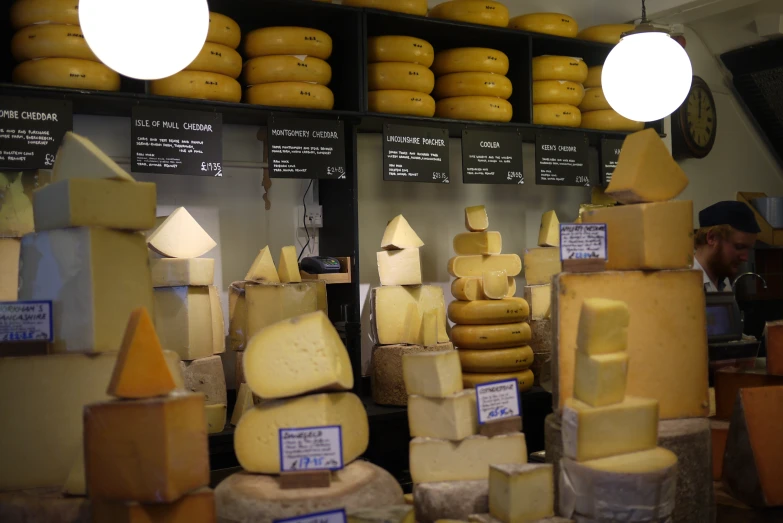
(695, 123)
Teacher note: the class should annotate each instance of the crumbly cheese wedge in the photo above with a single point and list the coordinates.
(488, 312)
(476, 218)
(78, 157)
(521, 492)
(603, 326)
(549, 232)
(486, 242)
(432, 374)
(453, 417)
(600, 380)
(541, 264)
(180, 236)
(539, 297)
(206, 376)
(244, 403)
(176, 272)
(491, 336)
(476, 265)
(388, 385)
(183, 316)
(400, 235)
(402, 267)
(288, 266)
(494, 284)
(218, 322)
(449, 499)
(216, 417)
(496, 360)
(390, 312)
(263, 268)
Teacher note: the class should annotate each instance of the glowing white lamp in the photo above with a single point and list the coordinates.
(145, 39)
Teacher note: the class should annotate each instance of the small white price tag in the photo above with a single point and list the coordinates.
(497, 400)
(332, 516)
(583, 241)
(311, 448)
(26, 321)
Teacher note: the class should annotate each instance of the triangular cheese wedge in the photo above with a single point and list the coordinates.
(180, 236)
(78, 157)
(476, 219)
(244, 403)
(400, 235)
(549, 233)
(141, 370)
(263, 268)
(288, 267)
(75, 484)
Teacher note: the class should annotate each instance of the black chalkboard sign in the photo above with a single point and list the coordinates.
(31, 130)
(610, 153)
(306, 148)
(492, 157)
(562, 159)
(170, 141)
(415, 154)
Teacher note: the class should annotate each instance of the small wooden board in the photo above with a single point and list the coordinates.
(588, 265)
(501, 426)
(344, 276)
(305, 479)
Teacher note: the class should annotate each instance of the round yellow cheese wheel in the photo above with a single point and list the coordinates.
(217, 58)
(200, 85)
(401, 102)
(608, 34)
(559, 68)
(594, 76)
(287, 68)
(557, 92)
(400, 76)
(223, 30)
(496, 360)
(470, 60)
(560, 115)
(29, 12)
(288, 40)
(594, 100)
(411, 7)
(491, 336)
(477, 108)
(524, 377)
(291, 94)
(609, 120)
(556, 24)
(485, 12)
(50, 41)
(66, 72)
(473, 84)
(488, 312)
(400, 49)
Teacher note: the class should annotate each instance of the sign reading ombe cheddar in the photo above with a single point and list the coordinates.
(610, 154)
(562, 159)
(492, 157)
(415, 154)
(31, 131)
(306, 148)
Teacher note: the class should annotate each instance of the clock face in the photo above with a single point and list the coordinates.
(700, 117)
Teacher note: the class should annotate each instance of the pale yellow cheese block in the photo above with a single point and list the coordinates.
(183, 321)
(263, 268)
(541, 264)
(432, 374)
(488, 312)
(549, 232)
(486, 242)
(603, 326)
(288, 266)
(388, 385)
(218, 322)
(175, 272)
(476, 218)
(78, 157)
(495, 284)
(180, 236)
(476, 265)
(453, 417)
(390, 311)
(401, 267)
(400, 235)
(216, 418)
(521, 492)
(9, 268)
(600, 380)
(539, 297)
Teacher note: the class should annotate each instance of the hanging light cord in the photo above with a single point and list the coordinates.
(644, 12)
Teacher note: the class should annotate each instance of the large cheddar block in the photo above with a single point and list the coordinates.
(183, 319)
(95, 203)
(390, 311)
(198, 505)
(539, 297)
(541, 264)
(180, 236)
(491, 336)
(78, 157)
(486, 242)
(206, 375)
(151, 450)
(646, 171)
(728, 382)
(649, 236)
(600, 380)
(16, 201)
(432, 374)
(257, 441)
(95, 278)
(496, 360)
(477, 265)
(400, 235)
(455, 500)
(9, 268)
(488, 312)
(670, 368)
(521, 493)
(388, 386)
(176, 272)
(453, 417)
(603, 326)
(402, 267)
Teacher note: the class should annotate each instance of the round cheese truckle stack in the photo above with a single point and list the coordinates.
(556, 24)
(286, 67)
(558, 90)
(607, 34)
(484, 12)
(410, 7)
(51, 49)
(472, 85)
(596, 111)
(399, 78)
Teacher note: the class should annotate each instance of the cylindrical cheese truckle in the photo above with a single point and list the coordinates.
(470, 60)
(291, 94)
(66, 72)
(488, 312)
(557, 92)
(496, 360)
(485, 12)
(50, 41)
(477, 108)
(491, 336)
(401, 102)
(594, 76)
(609, 120)
(560, 115)
(472, 84)
(559, 68)
(287, 68)
(556, 24)
(400, 49)
(400, 76)
(199, 85)
(524, 377)
(223, 30)
(288, 40)
(594, 100)
(217, 58)
(608, 34)
(29, 12)
(411, 7)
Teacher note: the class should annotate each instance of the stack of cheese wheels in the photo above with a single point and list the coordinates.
(212, 75)
(491, 331)
(484, 12)
(410, 7)
(51, 48)
(399, 77)
(558, 90)
(472, 85)
(607, 34)
(596, 111)
(286, 67)
(556, 24)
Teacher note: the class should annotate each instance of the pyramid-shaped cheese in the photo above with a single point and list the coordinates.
(141, 370)
(400, 235)
(180, 236)
(78, 157)
(263, 268)
(288, 266)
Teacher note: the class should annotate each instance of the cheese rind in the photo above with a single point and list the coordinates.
(476, 218)
(432, 374)
(521, 492)
(391, 514)
(263, 268)
(541, 264)
(472, 243)
(400, 235)
(183, 318)
(600, 380)
(477, 265)
(549, 232)
(390, 306)
(496, 360)
(180, 236)
(78, 157)
(488, 312)
(491, 336)
(176, 272)
(495, 284)
(401, 267)
(216, 417)
(452, 417)
(206, 376)
(218, 322)
(450, 499)
(524, 378)
(539, 297)
(388, 386)
(288, 266)
(198, 505)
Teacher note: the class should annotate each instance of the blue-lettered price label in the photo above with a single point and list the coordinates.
(25, 321)
(333, 516)
(583, 241)
(311, 448)
(497, 400)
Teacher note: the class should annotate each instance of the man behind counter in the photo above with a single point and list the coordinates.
(727, 232)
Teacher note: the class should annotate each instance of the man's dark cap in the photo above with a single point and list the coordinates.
(737, 214)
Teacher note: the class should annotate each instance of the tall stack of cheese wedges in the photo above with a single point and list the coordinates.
(491, 332)
(407, 317)
(650, 253)
(188, 314)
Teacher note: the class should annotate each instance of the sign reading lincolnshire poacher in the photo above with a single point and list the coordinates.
(415, 154)
(492, 157)
(31, 130)
(170, 141)
(306, 148)
(562, 159)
